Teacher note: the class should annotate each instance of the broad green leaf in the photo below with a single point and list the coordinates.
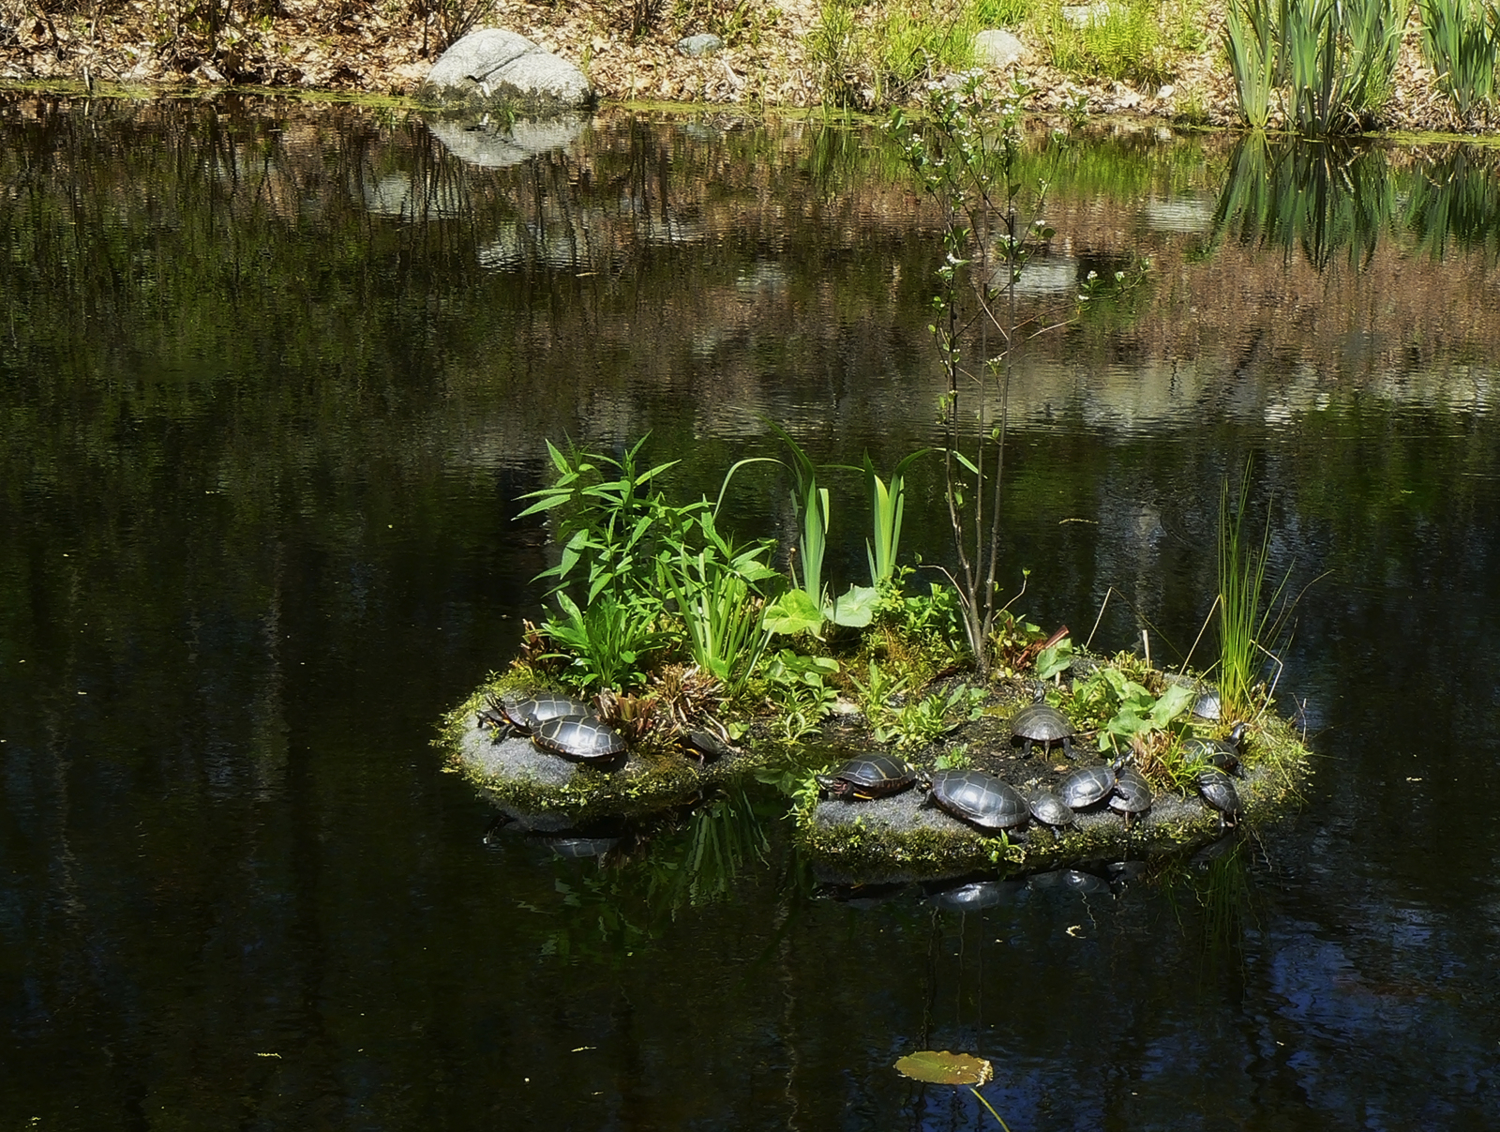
(855, 609)
(793, 612)
(940, 1067)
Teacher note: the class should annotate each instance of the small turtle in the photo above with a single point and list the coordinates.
(1218, 791)
(487, 717)
(585, 739)
(704, 746)
(978, 798)
(1131, 794)
(1221, 753)
(1049, 809)
(1040, 722)
(1209, 704)
(1087, 786)
(869, 776)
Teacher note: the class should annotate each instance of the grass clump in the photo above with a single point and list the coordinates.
(1460, 41)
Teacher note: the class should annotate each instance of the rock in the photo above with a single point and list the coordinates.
(997, 48)
(699, 45)
(493, 67)
(1087, 15)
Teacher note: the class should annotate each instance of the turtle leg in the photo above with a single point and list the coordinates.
(1067, 743)
(1026, 748)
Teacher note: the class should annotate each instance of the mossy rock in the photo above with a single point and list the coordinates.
(904, 838)
(549, 792)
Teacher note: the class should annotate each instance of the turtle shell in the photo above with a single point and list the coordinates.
(1221, 753)
(1208, 704)
(526, 714)
(1131, 794)
(1042, 723)
(1049, 809)
(1218, 791)
(1087, 786)
(581, 738)
(979, 799)
(869, 776)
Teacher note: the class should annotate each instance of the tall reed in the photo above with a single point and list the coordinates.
(1460, 39)
(1248, 625)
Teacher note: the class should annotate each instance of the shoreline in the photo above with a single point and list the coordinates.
(763, 71)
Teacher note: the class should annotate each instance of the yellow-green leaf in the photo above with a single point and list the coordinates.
(940, 1067)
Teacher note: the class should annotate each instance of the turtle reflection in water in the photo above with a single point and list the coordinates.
(869, 776)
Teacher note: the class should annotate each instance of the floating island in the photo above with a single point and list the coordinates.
(856, 831)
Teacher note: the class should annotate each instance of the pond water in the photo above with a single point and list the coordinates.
(271, 379)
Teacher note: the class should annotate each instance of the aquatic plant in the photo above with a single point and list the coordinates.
(887, 506)
(1460, 41)
(1330, 61)
(716, 592)
(1250, 42)
(1249, 623)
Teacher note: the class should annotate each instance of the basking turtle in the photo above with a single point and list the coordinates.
(1087, 786)
(585, 739)
(1131, 794)
(487, 717)
(524, 714)
(1040, 722)
(1049, 809)
(977, 798)
(1221, 753)
(869, 776)
(1218, 791)
(702, 745)
(1209, 704)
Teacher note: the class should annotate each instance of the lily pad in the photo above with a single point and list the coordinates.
(940, 1067)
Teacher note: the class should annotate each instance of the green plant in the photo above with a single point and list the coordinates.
(1250, 42)
(797, 688)
(611, 524)
(606, 645)
(1248, 626)
(1128, 709)
(919, 721)
(1460, 40)
(887, 505)
(913, 42)
(833, 49)
(716, 591)
(1128, 40)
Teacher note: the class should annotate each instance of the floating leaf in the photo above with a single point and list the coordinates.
(939, 1067)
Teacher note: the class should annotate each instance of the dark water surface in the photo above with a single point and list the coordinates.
(271, 378)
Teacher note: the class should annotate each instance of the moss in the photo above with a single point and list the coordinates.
(889, 838)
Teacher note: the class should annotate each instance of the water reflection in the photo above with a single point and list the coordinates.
(273, 378)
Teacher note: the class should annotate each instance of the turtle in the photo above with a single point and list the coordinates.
(525, 714)
(1087, 786)
(1040, 722)
(1131, 794)
(492, 717)
(1221, 753)
(702, 745)
(1209, 704)
(869, 776)
(978, 798)
(1218, 791)
(1049, 809)
(582, 738)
